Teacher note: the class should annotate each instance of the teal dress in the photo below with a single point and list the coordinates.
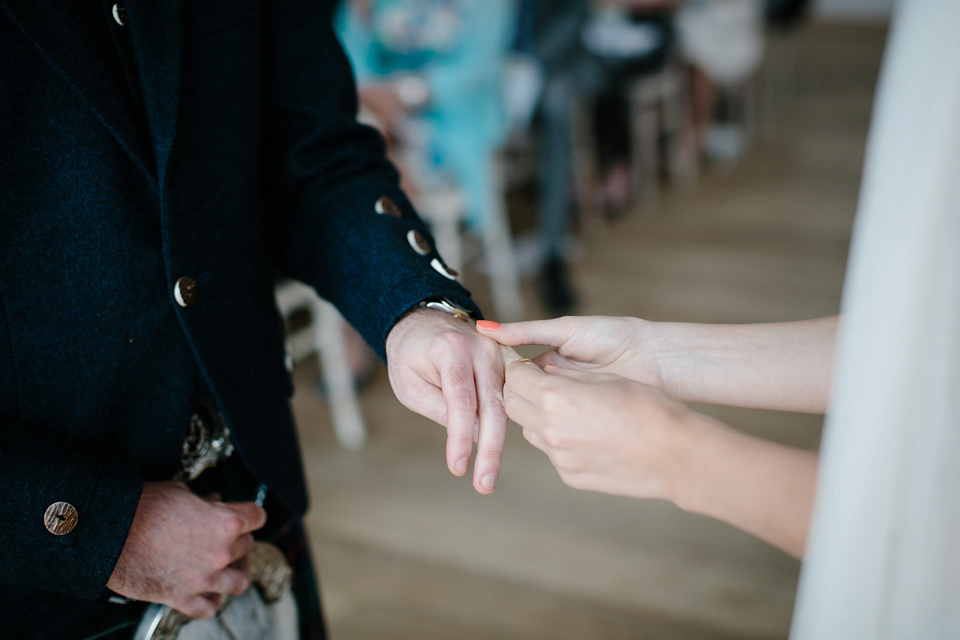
(459, 48)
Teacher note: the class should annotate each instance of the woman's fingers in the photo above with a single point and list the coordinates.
(551, 333)
(580, 375)
(553, 357)
(524, 381)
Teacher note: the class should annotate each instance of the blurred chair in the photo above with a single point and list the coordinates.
(723, 42)
(659, 120)
(323, 338)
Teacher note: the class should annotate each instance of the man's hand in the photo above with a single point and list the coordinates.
(442, 368)
(622, 346)
(184, 550)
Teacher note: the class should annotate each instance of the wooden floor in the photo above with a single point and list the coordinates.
(407, 551)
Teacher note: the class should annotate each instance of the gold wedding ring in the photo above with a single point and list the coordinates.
(525, 360)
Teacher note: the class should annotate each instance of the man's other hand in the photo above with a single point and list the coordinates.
(443, 369)
(185, 551)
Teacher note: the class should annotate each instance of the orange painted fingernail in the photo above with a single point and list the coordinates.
(489, 325)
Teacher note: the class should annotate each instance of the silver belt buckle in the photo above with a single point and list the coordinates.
(207, 442)
(266, 611)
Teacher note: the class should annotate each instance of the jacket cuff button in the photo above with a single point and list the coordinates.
(418, 243)
(387, 207)
(444, 270)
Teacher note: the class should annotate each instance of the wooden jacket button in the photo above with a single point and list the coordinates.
(418, 243)
(444, 270)
(387, 207)
(185, 291)
(60, 518)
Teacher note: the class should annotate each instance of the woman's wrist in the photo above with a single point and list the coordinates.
(761, 487)
(694, 446)
(665, 356)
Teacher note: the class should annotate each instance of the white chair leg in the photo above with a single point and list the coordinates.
(328, 328)
(325, 338)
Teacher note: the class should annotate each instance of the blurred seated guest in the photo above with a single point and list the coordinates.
(632, 39)
(569, 72)
(430, 71)
(583, 54)
(723, 42)
(605, 409)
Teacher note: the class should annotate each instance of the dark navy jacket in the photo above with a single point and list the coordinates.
(237, 158)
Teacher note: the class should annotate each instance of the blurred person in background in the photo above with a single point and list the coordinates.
(606, 408)
(430, 72)
(586, 50)
(631, 39)
(568, 72)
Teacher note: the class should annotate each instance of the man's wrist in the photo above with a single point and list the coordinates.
(409, 321)
(447, 306)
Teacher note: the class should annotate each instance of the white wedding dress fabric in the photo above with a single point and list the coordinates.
(883, 559)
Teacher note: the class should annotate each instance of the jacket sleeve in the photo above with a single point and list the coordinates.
(37, 471)
(324, 175)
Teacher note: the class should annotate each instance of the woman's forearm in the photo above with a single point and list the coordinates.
(761, 487)
(785, 366)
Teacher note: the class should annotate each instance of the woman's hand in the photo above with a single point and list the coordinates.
(606, 433)
(601, 431)
(784, 366)
(625, 347)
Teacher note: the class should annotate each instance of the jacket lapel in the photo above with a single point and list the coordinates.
(155, 27)
(80, 51)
